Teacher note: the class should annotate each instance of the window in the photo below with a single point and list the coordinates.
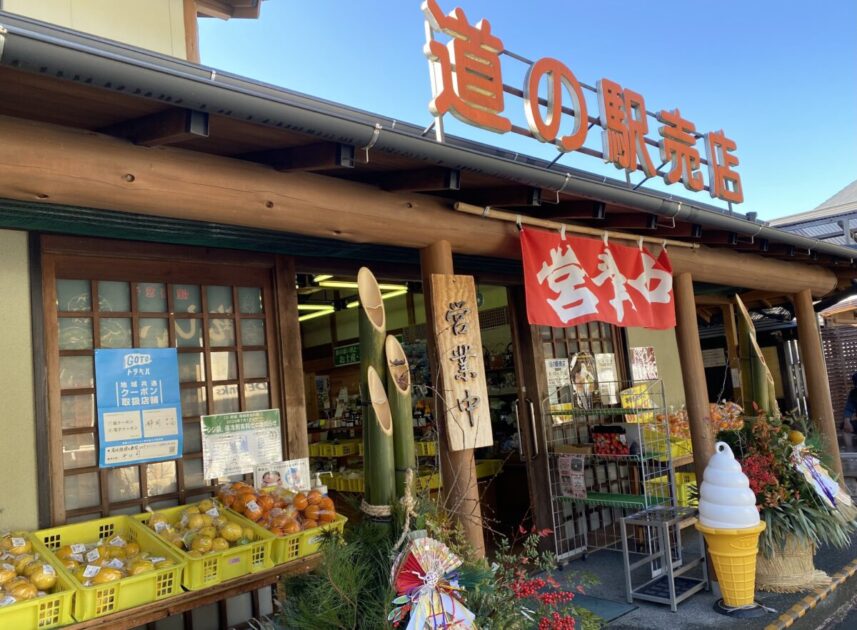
(219, 317)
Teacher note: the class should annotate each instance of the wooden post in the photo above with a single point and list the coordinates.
(693, 372)
(191, 31)
(457, 468)
(817, 384)
(733, 356)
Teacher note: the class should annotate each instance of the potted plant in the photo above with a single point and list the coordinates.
(799, 512)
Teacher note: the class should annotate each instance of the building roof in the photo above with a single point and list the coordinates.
(64, 77)
(843, 202)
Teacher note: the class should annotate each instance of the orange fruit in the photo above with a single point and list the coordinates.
(326, 503)
(266, 502)
(253, 513)
(313, 497)
(300, 501)
(311, 512)
(326, 516)
(291, 527)
(277, 531)
(310, 524)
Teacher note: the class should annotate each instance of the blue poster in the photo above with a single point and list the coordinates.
(139, 406)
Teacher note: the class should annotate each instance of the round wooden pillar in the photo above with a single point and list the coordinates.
(693, 372)
(817, 383)
(457, 468)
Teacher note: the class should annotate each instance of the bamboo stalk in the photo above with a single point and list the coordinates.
(399, 396)
(760, 377)
(379, 471)
(372, 326)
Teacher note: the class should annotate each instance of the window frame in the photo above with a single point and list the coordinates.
(109, 260)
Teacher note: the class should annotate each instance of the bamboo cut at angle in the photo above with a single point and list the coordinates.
(372, 327)
(380, 477)
(399, 395)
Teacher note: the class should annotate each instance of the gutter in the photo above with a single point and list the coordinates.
(62, 53)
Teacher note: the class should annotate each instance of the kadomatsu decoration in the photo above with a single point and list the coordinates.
(426, 583)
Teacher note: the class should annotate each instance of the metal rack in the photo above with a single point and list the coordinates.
(589, 518)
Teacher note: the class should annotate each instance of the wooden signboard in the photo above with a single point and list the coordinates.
(462, 368)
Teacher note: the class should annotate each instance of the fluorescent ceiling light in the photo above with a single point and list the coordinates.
(344, 284)
(384, 296)
(315, 314)
(314, 307)
(322, 277)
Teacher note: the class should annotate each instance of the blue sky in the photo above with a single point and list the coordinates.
(780, 78)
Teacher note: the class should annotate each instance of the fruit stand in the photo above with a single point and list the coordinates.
(123, 572)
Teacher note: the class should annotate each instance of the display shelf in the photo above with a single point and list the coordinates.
(612, 499)
(614, 484)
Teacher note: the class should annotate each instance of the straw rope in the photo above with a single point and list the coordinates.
(408, 506)
(790, 569)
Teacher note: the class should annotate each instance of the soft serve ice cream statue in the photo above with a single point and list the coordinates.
(725, 498)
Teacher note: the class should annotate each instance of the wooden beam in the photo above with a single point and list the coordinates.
(170, 126)
(215, 8)
(457, 468)
(502, 196)
(680, 231)
(573, 210)
(780, 249)
(116, 175)
(817, 383)
(422, 180)
(720, 238)
(191, 31)
(693, 372)
(320, 156)
(630, 221)
(711, 300)
(760, 245)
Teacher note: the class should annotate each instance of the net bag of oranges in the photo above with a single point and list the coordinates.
(296, 519)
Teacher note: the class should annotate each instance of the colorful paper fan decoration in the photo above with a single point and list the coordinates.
(425, 580)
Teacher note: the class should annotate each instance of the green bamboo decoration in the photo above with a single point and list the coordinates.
(372, 326)
(379, 471)
(399, 396)
(759, 375)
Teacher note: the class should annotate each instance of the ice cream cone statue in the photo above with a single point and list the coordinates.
(729, 519)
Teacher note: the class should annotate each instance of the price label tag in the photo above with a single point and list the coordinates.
(253, 506)
(161, 526)
(93, 555)
(91, 571)
(18, 542)
(156, 559)
(48, 570)
(7, 601)
(213, 513)
(7, 566)
(77, 557)
(118, 541)
(78, 548)
(116, 563)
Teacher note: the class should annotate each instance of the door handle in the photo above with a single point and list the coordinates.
(533, 429)
(518, 426)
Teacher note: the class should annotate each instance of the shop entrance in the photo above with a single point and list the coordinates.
(329, 335)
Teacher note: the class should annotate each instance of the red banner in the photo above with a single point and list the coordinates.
(575, 280)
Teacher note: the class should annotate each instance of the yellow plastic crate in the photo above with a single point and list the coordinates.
(95, 601)
(48, 611)
(488, 467)
(315, 449)
(340, 449)
(294, 546)
(425, 448)
(685, 484)
(214, 568)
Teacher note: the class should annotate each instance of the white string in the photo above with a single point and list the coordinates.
(562, 231)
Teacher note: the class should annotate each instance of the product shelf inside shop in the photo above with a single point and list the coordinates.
(601, 411)
(617, 500)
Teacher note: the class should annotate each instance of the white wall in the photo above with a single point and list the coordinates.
(18, 499)
(666, 355)
(153, 24)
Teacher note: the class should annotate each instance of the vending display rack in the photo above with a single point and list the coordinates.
(617, 438)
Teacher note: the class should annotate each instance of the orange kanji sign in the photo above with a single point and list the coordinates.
(471, 87)
(467, 82)
(677, 147)
(546, 128)
(724, 182)
(623, 118)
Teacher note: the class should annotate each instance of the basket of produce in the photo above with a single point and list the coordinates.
(33, 593)
(113, 563)
(216, 545)
(298, 520)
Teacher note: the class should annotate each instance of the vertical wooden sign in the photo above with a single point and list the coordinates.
(462, 368)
